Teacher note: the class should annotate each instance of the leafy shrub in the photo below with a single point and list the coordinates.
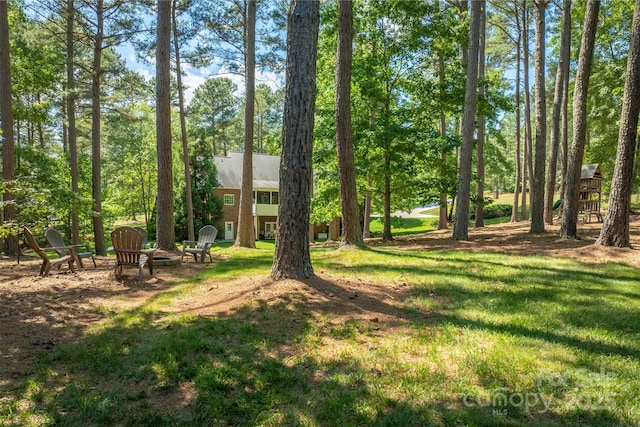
(497, 210)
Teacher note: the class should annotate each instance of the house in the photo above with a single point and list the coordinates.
(266, 181)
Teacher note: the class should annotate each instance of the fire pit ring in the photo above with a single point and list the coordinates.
(166, 260)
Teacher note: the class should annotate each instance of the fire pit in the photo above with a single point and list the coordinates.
(166, 260)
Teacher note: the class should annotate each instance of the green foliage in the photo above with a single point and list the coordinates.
(35, 70)
(31, 205)
(394, 126)
(401, 51)
(131, 166)
(43, 189)
(606, 87)
(223, 42)
(268, 117)
(405, 76)
(497, 210)
(213, 109)
(207, 208)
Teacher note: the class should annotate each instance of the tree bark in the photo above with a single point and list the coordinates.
(292, 258)
(615, 229)
(518, 161)
(10, 246)
(366, 225)
(352, 231)
(191, 234)
(386, 196)
(461, 225)
(568, 228)
(443, 223)
(564, 120)
(527, 161)
(246, 237)
(537, 205)
(96, 165)
(558, 95)
(71, 119)
(165, 230)
(479, 222)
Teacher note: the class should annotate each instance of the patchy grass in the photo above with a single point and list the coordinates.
(443, 338)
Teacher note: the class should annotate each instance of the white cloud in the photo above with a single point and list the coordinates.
(191, 81)
(194, 77)
(273, 80)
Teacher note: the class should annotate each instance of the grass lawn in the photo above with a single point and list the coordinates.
(459, 339)
(403, 226)
(503, 199)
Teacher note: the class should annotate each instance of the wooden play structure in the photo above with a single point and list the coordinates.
(590, 196)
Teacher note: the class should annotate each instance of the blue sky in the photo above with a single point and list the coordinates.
(194, 77)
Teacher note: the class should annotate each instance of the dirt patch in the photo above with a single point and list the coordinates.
(37, 314)
(514, 238)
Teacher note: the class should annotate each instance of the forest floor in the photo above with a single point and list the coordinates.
(39, 313)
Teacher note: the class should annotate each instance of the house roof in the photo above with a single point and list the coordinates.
(266, 170)
(590, 171)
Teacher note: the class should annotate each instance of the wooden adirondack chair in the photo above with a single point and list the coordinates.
(47, 263)
(144, 236)
(55, 240)
(127, 244)
(206, 239)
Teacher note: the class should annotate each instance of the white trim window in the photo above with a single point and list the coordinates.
(229, 199)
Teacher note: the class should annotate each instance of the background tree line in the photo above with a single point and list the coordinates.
(84, 133)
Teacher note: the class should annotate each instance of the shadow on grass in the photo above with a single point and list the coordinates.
(257, 366)
(230, 370)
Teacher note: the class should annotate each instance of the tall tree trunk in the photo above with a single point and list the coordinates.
(568, 228)
(558, 95)
(165, 230)
(366, 225)
(564, 124)
(442, 218)
(246, 237)
(292, 258)
(443, 222)
(480, 131)
(386, 196)
(352, 231)
(10, 246)
(39, 124)
(517, 160)
(71, 118)
(191, 235)
(65, 127)
(461, 225)
(537, 205)
(615, 229)
(527, 176)
(96, 165)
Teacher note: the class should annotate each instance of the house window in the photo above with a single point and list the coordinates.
(274, 198)
(229, 199)
(269, 230)
(264, 197)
